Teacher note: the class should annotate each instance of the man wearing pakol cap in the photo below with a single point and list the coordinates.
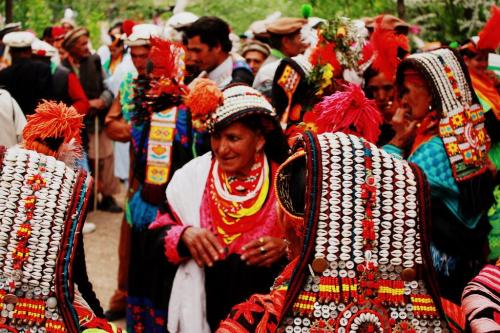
(209, 47)
(255, 54)
(286, 41)
(88, 68)
(28, 81)
(4, 56)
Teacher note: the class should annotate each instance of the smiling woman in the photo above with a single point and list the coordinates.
(223, 226)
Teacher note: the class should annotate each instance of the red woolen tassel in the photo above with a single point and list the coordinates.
(349, 111)
(489, 37)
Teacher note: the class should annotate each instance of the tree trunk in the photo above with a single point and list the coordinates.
(8, 11)
(401, 9)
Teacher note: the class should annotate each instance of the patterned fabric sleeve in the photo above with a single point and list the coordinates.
(481, 302)
(395, 151)
(431, 157)
(172, 236)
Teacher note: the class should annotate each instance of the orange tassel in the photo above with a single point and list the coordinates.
(53, 120)
(204, 98)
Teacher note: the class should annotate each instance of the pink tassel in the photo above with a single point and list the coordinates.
(350, 112)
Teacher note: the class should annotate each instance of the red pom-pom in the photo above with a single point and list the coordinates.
(350, 112)
(489, 37)
(204, 98)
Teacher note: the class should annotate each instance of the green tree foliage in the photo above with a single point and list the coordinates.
(443, 20)
(34, 14)
(241, 13)
(449, 20)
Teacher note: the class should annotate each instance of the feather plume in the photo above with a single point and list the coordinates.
(203, 98)
(163, 58)
(127, 27)
(349, 111)
(489, 37)
(385, 44)
(366, 53)
(53, 120)
(69, 153)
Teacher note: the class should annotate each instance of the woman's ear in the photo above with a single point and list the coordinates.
(261, 141)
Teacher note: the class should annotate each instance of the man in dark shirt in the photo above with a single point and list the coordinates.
(88, 68)
(28, 81)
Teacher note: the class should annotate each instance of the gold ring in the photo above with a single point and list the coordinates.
(262, 249)
(261, 240)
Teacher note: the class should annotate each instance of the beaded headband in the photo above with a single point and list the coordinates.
(462, 119)
(213, 109)
(362, 266)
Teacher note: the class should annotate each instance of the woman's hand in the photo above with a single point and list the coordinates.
(405, 128)
(264, 251)
(203, 246)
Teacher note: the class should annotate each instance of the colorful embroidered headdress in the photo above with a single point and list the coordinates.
(214, 109)
(43, 204)
(364, 265)
(461, 124)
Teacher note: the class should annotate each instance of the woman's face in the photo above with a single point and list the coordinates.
(416, 98)
(478, 63)
(235, 147)
(383, 92)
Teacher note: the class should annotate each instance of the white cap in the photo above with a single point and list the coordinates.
(19, 39)
(314, 21)
(141, 33)
(182, 19)
(43, 49)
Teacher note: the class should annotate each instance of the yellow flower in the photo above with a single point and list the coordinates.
(457, 120)
(452, 148)
(326, 79)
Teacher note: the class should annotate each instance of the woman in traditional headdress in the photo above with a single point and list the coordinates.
(222, 228)
(358, 218)
(440, 127)
(43, 203)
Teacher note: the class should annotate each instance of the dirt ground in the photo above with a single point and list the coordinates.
(101, 251)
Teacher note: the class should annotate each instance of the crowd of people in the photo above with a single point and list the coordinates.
(313, 175)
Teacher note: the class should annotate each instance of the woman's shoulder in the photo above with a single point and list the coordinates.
(193, 171)
(432, 147)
